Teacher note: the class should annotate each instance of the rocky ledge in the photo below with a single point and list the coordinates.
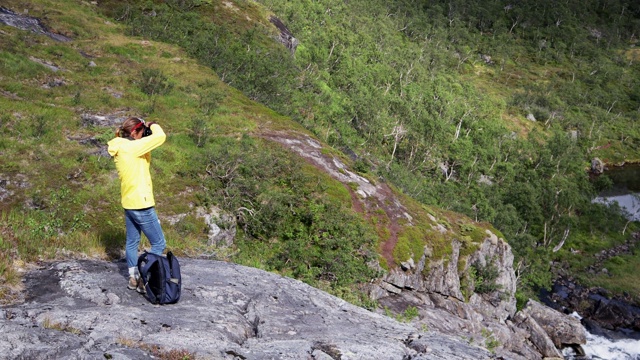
(81, 309)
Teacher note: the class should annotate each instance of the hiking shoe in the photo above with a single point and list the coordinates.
(133, 283)
(140, 287)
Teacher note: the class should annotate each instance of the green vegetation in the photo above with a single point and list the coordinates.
(410, 245)
(407, 315)
(490, 342)
(484, 277)
(60, 195)
(287, 222)
(438, 99)
(154, 82)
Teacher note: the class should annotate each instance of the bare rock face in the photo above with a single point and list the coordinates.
(562, 329)
(108, 120)
(24, 22)
(443, 275)
(285, 38)
(83, 310)
(501, 304)
(445, 303)
(549, 330)
(537, 336)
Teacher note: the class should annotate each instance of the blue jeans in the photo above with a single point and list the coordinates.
(146, 221)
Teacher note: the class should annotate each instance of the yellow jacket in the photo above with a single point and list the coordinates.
(132, 158)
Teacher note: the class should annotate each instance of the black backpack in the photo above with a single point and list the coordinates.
(161, 277)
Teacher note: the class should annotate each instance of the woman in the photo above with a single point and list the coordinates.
(131, 151)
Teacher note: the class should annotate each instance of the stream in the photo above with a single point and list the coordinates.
(625, 190)
(626, 193)
(602, 348)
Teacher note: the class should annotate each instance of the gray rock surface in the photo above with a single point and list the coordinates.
(537, 335)
(562, 329)
(81, 309)
(488, 320)
(32, 24)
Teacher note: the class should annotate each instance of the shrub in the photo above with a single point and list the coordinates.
(154, 82)
(199, 131)
(285, 209)
(490, 342)
(210, 100)
(484, 277)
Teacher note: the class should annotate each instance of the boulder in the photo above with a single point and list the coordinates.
(563, 330)
(537, 335)
(618, 315)
(286, 38)
(597, 166)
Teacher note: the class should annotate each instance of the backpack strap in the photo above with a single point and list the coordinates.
(143, 270)
(144, 264)
(174, 271)
(142, 258)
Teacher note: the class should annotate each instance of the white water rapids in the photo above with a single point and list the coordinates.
(601, 348)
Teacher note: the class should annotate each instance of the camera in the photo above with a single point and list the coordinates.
(147, 131)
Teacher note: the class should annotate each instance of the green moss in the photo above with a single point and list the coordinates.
(402, 251)
(468, 246)
(332, 188)
(445, 224)
(478, 235)
(353, 186)
(442, 249)
(411, 241)
(383, 262)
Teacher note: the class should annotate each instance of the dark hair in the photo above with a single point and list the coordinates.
(128, 126)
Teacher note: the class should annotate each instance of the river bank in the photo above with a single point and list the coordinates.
(612, 316)
(612, 322)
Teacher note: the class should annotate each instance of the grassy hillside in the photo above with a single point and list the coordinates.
(60, 193)
(432, 98)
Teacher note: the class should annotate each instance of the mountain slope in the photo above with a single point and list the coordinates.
(64, 98)
(238, 43)
(506, 104)
(288, 202)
